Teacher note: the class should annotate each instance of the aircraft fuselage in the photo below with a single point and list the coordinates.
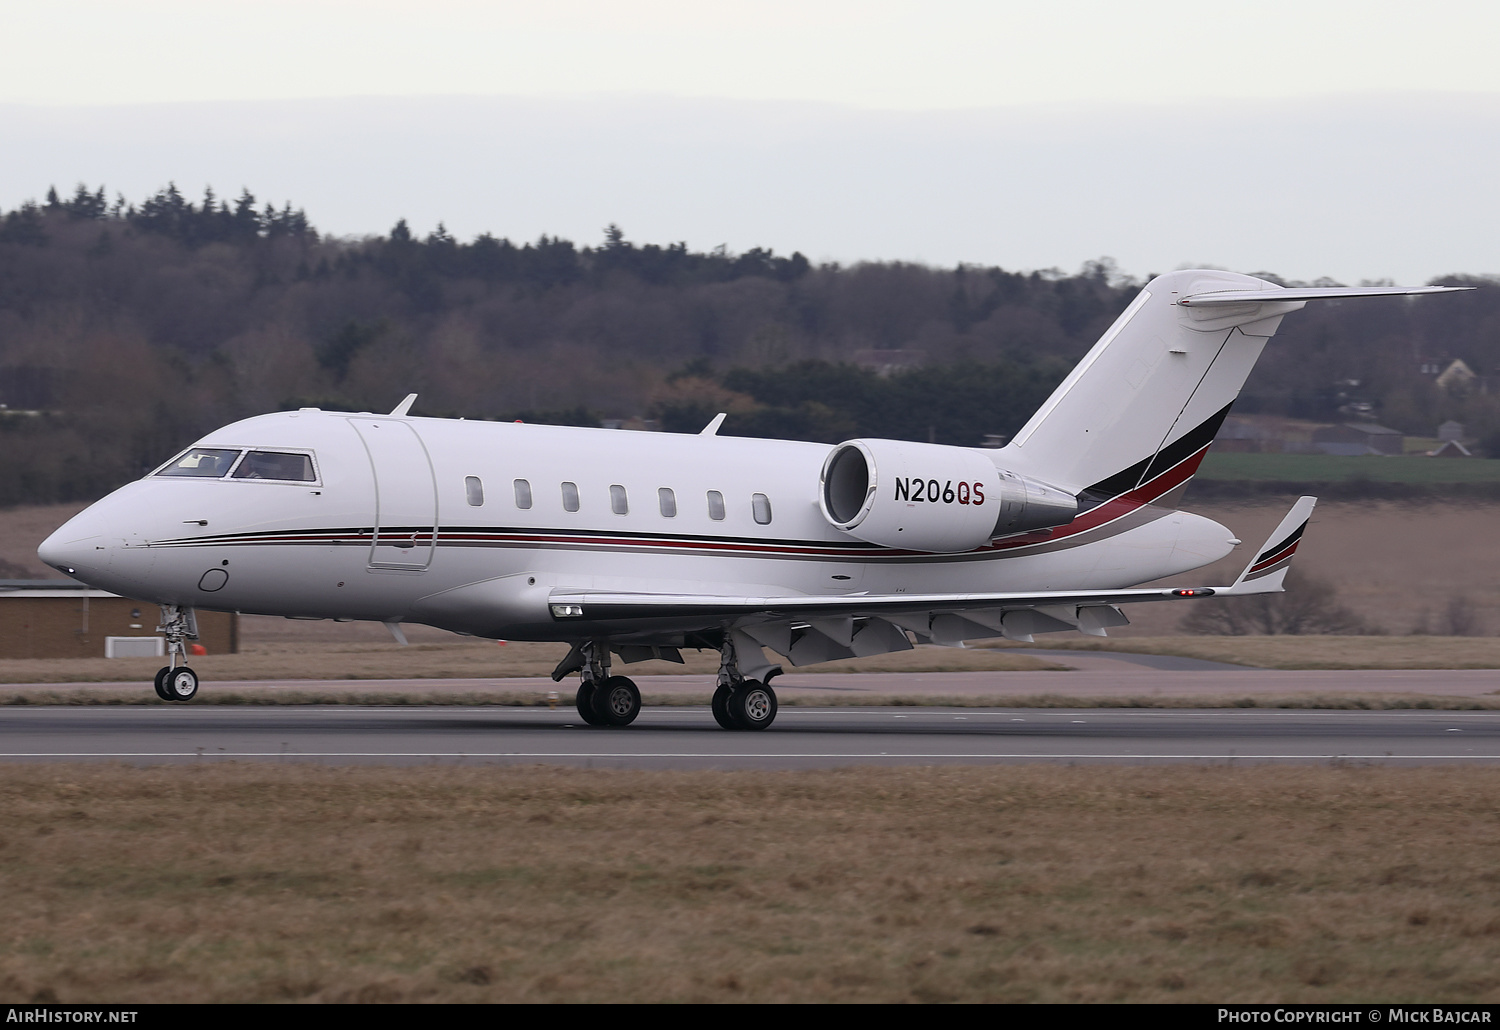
(469, 525)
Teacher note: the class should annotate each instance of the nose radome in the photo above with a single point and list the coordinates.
(79, 546)
(70, 553)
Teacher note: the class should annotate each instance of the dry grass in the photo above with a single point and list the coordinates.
(1397, 565)
(266, 883)
(1296, 652)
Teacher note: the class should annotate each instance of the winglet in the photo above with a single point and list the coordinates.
(1264, 574)
(405, 405)
(712, 429)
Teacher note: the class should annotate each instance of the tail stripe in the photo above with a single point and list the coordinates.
(1290, 541)
(1276, 557)
(1173, 454)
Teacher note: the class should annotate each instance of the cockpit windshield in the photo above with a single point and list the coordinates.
(297, 468)
(217, 462)
(207, 463)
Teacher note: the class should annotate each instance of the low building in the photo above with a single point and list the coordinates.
(1265, 434)
(1459, 379)
(55, 618)
(1359, 438)
(889, 362)
(1451, 449)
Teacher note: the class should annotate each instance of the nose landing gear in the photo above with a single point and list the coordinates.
(177, 682)
(605, 700)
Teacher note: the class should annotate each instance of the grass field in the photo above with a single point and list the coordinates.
(1329, 468)
(271, 883)
(1295, 652)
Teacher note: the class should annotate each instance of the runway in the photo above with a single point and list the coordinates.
(687, 738)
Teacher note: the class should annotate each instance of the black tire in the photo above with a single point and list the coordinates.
(720, 706)
(180, 684)
(753, 705)
(585, 704)
(161, 683)
(618, 702)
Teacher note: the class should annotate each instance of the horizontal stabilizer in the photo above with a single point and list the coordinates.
(1199, 300)
(1268, 568)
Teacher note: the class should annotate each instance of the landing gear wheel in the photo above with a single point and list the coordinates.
(585, 703)
(720, 706)
(161, 682)
(617, 702)
(180, 684)
(753, 705)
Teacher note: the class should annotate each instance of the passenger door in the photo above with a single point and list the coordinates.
(405, 495)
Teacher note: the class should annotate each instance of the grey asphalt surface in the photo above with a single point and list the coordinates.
(687, 738)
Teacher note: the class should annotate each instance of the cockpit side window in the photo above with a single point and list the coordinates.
(202, 462)
(288, 468)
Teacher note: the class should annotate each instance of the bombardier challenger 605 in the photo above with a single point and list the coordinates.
(638, 545)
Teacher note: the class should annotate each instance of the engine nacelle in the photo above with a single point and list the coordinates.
(930, 497)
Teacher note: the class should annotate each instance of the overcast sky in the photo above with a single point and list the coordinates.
(1357, 140)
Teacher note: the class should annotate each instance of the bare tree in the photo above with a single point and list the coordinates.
(1307, 607)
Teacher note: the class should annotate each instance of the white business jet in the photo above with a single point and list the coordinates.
(637, 545)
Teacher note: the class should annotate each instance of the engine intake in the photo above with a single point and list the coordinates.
(930, 497)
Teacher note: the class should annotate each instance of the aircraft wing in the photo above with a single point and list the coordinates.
(816, 628)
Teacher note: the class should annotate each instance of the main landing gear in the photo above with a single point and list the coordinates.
(740, 703)
(177, 682)
(605, 700)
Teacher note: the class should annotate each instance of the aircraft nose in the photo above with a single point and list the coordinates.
(71, 553)
(80, 546)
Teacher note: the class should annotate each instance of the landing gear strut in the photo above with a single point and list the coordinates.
(605, 700)
(177, 682)
(740, 703)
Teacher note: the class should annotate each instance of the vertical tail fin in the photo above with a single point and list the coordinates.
(1145, 402)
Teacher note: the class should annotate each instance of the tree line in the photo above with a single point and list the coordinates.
(127, 329)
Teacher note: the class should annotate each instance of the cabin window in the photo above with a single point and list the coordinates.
(716, 506)
(760, 507)
(523, 494)
(570, 496)
(666, 500)
(203, 462)
(618, 502)
(474, 491)
(294, 468)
